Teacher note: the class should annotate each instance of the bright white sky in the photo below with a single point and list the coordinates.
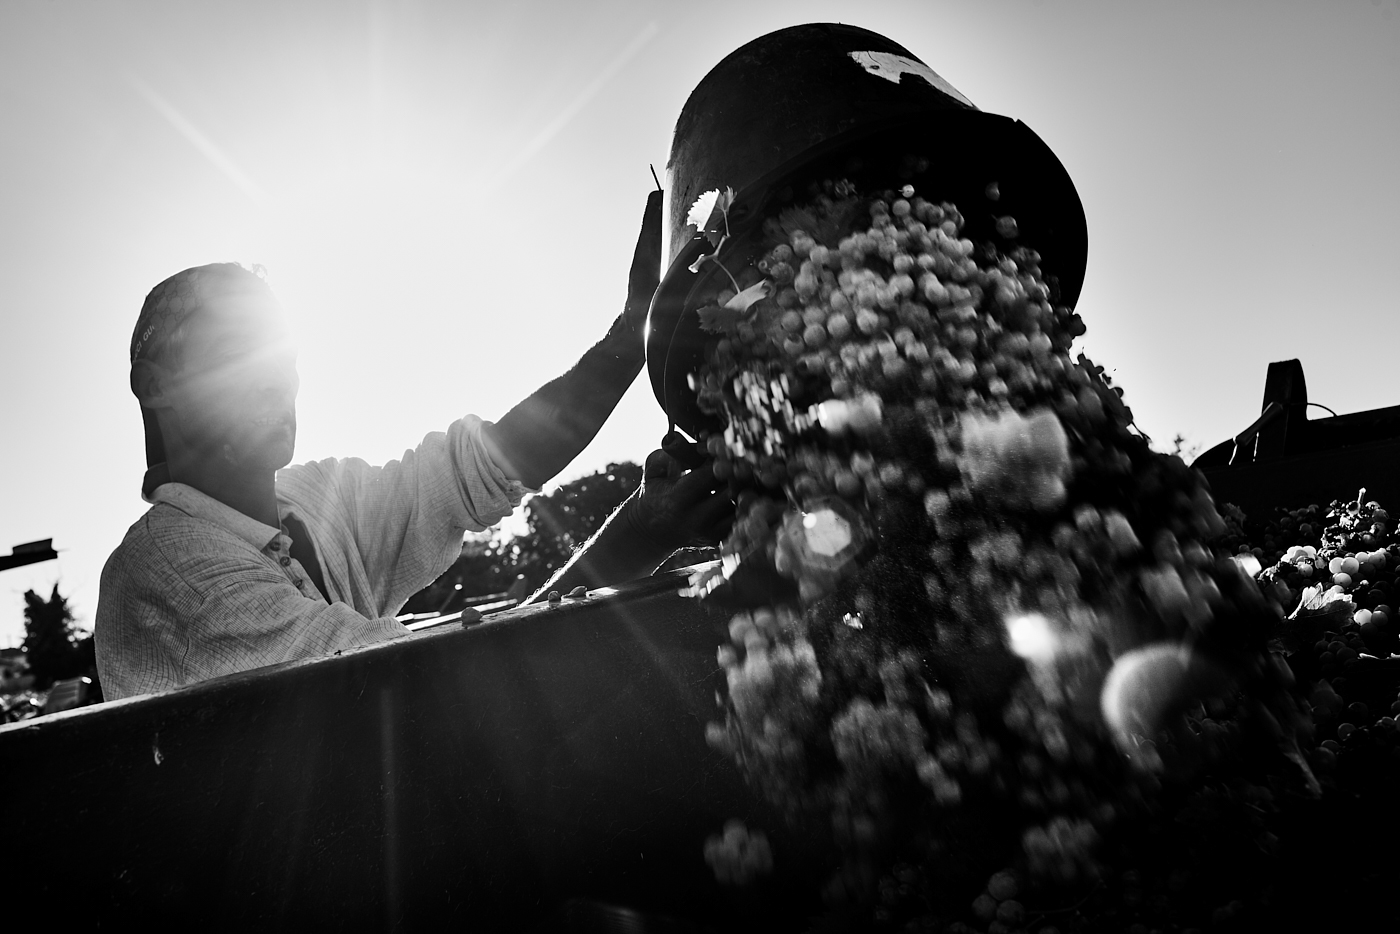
(446, 197)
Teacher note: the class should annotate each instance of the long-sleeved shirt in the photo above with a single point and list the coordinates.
(197, 589)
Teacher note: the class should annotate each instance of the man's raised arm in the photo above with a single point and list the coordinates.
(540, 436)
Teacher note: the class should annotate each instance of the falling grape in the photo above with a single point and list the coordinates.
(995, 504)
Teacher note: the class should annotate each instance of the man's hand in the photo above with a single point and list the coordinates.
(645, 275)
(676, 508)
(539, 437)
(673, 508)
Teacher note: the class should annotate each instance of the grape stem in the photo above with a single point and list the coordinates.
(714, 257)
(733, 281)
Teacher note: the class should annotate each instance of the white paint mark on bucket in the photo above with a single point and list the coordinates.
(889, 66)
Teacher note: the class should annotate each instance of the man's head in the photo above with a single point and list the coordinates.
(215, 371)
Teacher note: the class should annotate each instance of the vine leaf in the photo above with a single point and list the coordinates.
(725, 201)
(702, 209)
(756, 292)
(724, 319)
(718, 320)
(710, 214)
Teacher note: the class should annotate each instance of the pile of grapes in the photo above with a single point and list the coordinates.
(1017, 659)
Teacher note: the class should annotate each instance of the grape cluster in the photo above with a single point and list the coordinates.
(1343, 561)
(977, 541)
(1336, 571)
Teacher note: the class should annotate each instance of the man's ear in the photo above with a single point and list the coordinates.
(151, 384)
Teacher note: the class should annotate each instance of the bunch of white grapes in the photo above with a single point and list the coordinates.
(999, 598)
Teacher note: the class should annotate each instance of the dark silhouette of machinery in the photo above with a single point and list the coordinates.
(1286, 459)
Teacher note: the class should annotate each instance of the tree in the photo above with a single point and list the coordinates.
(561, 522)
(55, 647)
(557, 524)
(1184, 449)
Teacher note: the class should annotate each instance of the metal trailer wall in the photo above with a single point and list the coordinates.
(1313, 477)
(479, 777)
(1288, 460)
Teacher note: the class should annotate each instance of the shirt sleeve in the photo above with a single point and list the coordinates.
(405, 519)
(185, 600)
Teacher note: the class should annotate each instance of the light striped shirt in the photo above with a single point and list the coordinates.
(198, 589)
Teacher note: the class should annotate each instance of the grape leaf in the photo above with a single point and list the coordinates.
(789, 221)
(725, 201)
(756, 292)
(723, 319)
(826, 222)
(719, 320)
(719, 220)
(709, 214)
(702, 210)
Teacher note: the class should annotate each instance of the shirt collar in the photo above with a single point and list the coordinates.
(202, 506)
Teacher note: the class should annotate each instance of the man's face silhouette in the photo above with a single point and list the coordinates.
(233, 391)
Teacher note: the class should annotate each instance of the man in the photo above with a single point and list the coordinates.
(241, 563)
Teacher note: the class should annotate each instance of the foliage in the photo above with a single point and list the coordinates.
(557, 523)
(562, 521)
(1184, 449)
(55, 647)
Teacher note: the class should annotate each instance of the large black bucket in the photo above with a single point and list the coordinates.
(821, 101)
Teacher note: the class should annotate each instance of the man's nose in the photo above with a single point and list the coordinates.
(285, 383)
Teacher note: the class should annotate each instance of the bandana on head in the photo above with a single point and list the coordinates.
(176, 298)
(166, 306)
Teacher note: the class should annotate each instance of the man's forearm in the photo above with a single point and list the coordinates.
(541, 435)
